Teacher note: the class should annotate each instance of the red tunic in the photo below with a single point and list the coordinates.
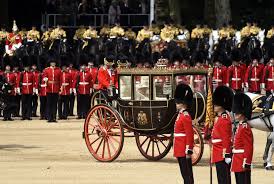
(104, 78)
(13, 41)
(235, 77)
(66, 83)
(219, 76)
(74, 73)
(242, 147)
(268, 78)
(52, 75)
(11, 79)
(93, 71)
(253, 77)
(42, 86)
(183, 134)
(36, 75)
(27, 83)
(84, 83)
(221, 138)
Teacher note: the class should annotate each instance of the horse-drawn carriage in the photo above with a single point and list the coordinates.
(144, 108)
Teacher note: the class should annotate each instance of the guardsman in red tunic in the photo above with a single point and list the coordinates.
(36, 74)
(9, 77)
(17, 97)
(65, 91)
(27, 84)
(254, 73)
(243, 139)
(93, 71)
(219, 72)
(268, 77)
(43, 97)
(235, 72)
(52, 76)
(84, 87)
(222, 133)
(183, 132)
(73, 72)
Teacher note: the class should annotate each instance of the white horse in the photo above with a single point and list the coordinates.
(263, 119)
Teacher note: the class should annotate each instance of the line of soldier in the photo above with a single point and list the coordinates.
(169, 32)
(229, 155)
(55, 86)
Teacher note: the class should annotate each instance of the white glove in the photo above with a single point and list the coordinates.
(45, 79)
(74, 91)
(91, 90)
(70, 91)
(18, 91)
(245, 89)
(228, 160)
(36, 91)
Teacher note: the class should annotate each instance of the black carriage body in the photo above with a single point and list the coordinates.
(146, 102)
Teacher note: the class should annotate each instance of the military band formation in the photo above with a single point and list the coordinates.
(58, 69)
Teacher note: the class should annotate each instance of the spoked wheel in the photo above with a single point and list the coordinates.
(154, 147)
(98, 98)
(103, 133)
(198, 148)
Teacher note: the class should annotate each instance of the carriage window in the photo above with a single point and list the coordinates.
(182, 79)
(161, 87)
(141, 87)
(198, 83)
(125, 87)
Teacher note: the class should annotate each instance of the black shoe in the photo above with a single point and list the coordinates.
(54, 121)
(265, 164)
(79, 117)
(269, 168)
(5, 119)
(34, 115)
(71, 114)
(29, 119)
(23, 119)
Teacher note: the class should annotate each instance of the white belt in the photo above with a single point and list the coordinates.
(216, 140)
(179, 135)
(236, 79)
(254, 79)
(83, 83)
(270, 79)
(217, 80)
(238, 151)
(26, 84)
(65, 84)
(43, 85)
(198, 80)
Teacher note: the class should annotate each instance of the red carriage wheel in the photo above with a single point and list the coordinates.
(103, 133)
(97, 98)
(154, 147)
(198, 148)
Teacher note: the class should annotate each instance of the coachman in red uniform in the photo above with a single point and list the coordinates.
(183, 132)
(84, 88)
(52, 77)
(235, 72)
(222, 133)
(254, 73)
(27, 84)
(243, 139)
(65, 91)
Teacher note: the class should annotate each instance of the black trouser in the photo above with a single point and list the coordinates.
(43, 107)
(83, 105)
(223, 172)
(71, 104)
(52, 100)
(186, 169)
(34, 105)
(10, 107)
(243, 177)
(26, 105)
(17, 100)
(63, 106)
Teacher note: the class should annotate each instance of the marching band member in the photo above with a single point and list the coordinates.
(73, 72)
(268, 76)
(23, 33)
(154, 28)
(58, 33)
(84, 84)
(130, 34)
(90, 33)
(79, 33)
(197, 32)
(231, 30)
(52, 76)
(184, 32)
(245, 32)
(27, 84)
(235, 72)
(222, 133)
(219, 71)
(33, 35)
(183, 132)
(243, 139)
(254, 30)
(144, 34)
(46, 35)
(169, 32)
(105, 31)
(206, 31)
(270, 32)
(14, 40)
(116, 31)
(65, 90)
(254, 72)
(224, 33)
(3, 35)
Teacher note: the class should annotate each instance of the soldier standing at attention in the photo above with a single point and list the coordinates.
(222, 133)
(183, 132)
(243, 139)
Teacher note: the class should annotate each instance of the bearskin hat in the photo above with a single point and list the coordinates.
(242, 104)
(83, 60)
(200, 57)
(236, 55)
(183, 94)
(256, 54)
(223, 96)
